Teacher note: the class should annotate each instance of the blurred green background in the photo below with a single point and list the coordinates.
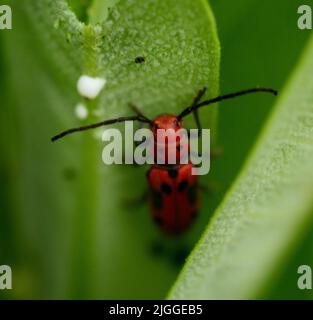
(50, 253)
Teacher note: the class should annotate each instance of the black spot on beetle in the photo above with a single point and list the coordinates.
(192, 194)
(140, 59)
(183, 185)
(157, 199)
(194, 214)
(166, 188)
(158, 220)
(172, 173)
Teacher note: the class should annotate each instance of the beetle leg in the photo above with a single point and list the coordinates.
(198, 122)
(135, 145)
(180, 255)
(176, 256)
(141, 126)
(157, 248)
(200, 94)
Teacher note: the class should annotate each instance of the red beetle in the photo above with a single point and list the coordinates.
(173, 190)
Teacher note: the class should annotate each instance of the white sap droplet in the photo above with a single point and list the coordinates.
(90, 87)
(81, 111)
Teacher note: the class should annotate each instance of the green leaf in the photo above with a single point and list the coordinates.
(74, 237)
(250, 51)
(99, 10)
(256, 64)
(268, 209)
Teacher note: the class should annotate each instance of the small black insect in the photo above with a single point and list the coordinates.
(140, 59)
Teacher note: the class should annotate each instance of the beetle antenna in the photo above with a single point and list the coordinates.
(139, 112)
(100, 124)
(224, 97)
